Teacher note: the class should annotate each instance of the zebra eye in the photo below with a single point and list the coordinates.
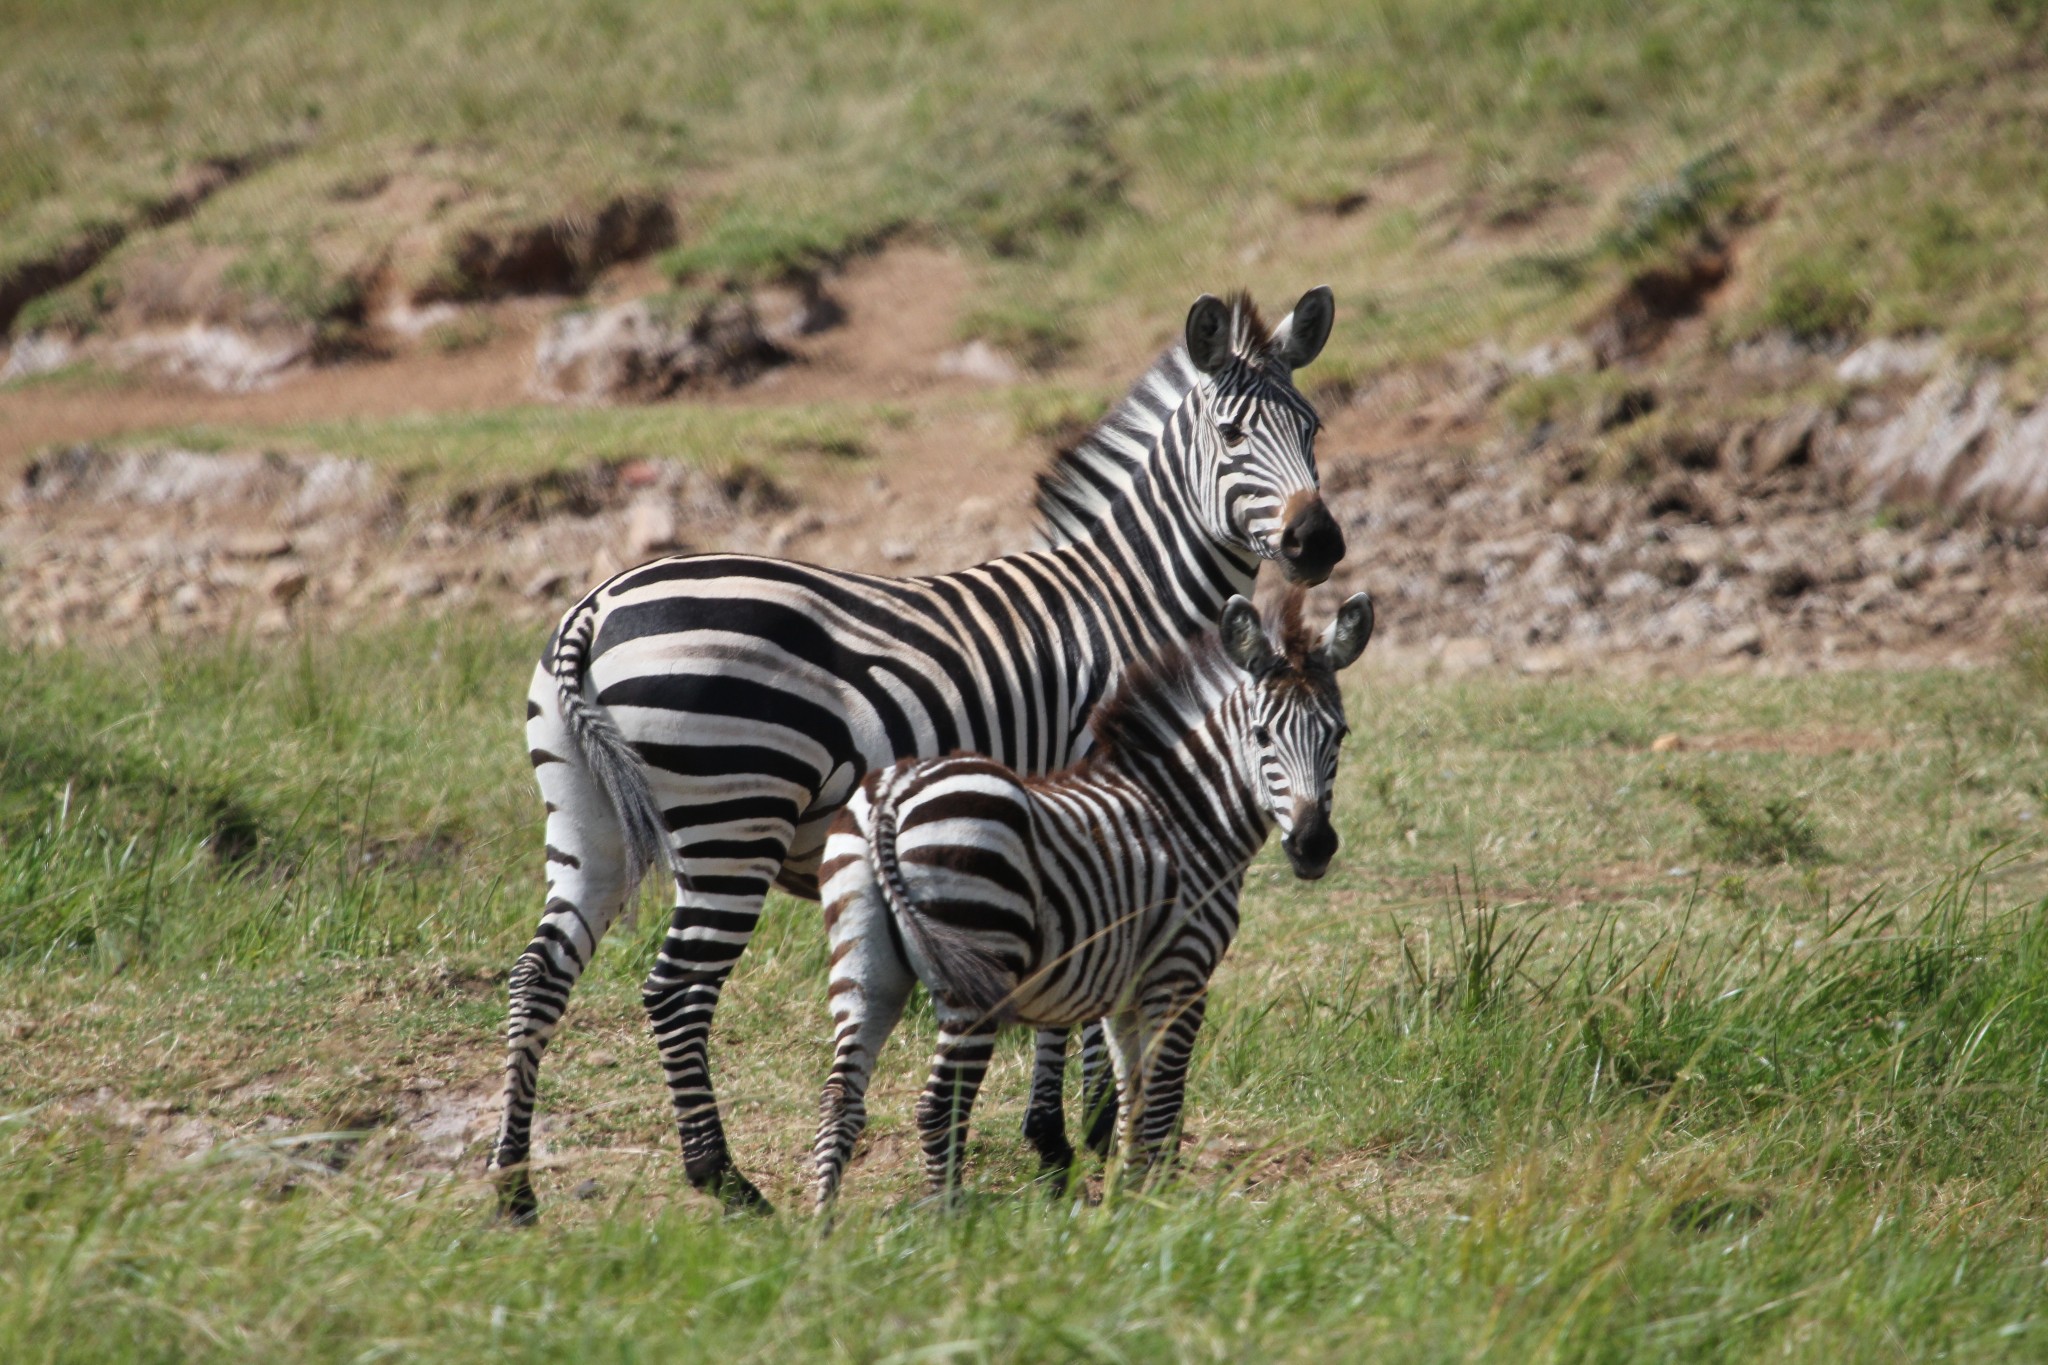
(1232, 434)
(1262, 734)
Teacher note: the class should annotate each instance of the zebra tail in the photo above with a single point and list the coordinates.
(608, 756)
(965, 975)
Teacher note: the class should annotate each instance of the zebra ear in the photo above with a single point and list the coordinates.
(1209, 334)
(1346, 638)
(1244, 637)
(1300, 336)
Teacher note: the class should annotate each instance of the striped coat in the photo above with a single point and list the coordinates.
(710, 714)
(1108, 890)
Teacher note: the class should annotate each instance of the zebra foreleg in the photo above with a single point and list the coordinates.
(1170, 1042)
(965, 1046)
(1123, 1037)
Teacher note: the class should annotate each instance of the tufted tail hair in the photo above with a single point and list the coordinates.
(965, 975)
(607, 755)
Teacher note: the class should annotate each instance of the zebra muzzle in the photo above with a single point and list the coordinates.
(1310, 847)
(1311, 543)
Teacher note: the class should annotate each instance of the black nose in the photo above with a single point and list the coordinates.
(1311, 544)
(1310, 849)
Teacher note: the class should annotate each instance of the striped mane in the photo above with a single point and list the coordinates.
(1087, 478)
(1160, 699)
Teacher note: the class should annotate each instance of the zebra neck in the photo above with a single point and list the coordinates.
(1153, 549)
(1211, 803)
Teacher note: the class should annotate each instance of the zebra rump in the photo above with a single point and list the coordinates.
(607, 755)
(959, 970)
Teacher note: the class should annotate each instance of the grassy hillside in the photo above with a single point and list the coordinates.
(1455, 168)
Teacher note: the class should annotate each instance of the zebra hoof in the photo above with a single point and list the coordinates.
(518, 1206)
(738, 1195)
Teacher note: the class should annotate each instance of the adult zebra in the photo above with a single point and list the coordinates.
(714, 712)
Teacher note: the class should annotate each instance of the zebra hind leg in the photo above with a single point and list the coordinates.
(713, 922)
(586, 891)
(1045, 1118)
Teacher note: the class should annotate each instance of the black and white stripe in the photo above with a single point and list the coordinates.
(1108, 891)
(712, 713)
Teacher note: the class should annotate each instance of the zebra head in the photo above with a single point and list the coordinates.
(1255, 455)
(1291, 722)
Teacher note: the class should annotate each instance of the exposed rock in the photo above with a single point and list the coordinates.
(896, 551)
(1776, 355)
(1888, 358)
(256, 545)
(791, 528)
(544, 583)
(2011, 481)
(1786, 581)
(631, 350)
(286, 583)
(1957, 444)
(1916, 454)
(799, 308)
(978, 360)
(220, 358)
(36, 353)
(1560, 355)
(1737, 640)
(412, 582)
(1784, 441)
(651, 526)
(1667, 744)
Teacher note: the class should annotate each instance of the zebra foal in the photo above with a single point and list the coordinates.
(1106, 891)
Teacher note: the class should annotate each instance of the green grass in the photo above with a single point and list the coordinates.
(1615, 1090)
(459, 452)
(1515, 158)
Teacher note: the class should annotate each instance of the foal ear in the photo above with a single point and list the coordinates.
(1209, 334)
(1300, 336)
(1244, 637)
(1346, 638)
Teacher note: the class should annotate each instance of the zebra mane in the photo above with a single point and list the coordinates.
(1286, 623)
(1087, 478)
(1159, 699)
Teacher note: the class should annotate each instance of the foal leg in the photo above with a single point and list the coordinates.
(1123, 1040)
(1098, 1091)
(965, 1046)
(1170, 1027)
(870, 983)
(1045, 1118)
